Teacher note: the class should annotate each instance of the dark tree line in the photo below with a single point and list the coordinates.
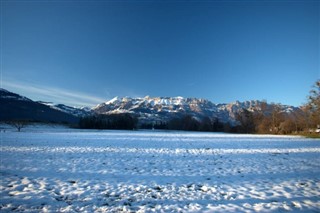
(306, 120)
(269, 119)
(188, 123)
(154, 125)
(261, 121)
(275, 122)
(114, 121)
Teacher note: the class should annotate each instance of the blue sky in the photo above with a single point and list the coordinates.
(86, 52)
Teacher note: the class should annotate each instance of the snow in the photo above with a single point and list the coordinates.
(148, 100)
(113, 101)
(57, 169)
(169, 101)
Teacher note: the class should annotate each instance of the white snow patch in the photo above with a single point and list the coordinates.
(64, 170)
(113, 101)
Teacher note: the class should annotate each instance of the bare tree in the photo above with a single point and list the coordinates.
(246, 120)
(314, 105)
(261, 120)
(276, 118)
(18, 124)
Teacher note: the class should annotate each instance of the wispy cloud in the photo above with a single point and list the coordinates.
(52, 94)
(191, 84)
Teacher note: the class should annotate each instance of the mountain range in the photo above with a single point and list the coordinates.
(156, 109)
(147, 109)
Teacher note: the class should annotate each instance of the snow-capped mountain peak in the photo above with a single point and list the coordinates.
(114, 100)
(153, 109)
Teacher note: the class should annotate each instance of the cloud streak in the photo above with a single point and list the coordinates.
(52, 94)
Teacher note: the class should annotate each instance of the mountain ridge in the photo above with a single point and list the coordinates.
(147, 109)
(16, 107)
(154, 109)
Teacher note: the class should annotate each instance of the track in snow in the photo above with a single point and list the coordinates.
(74, 170)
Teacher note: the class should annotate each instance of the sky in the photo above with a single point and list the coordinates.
(82, 53)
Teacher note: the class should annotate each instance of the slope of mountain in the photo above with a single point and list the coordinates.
(149, 109)
(16, 107)
(75, 111)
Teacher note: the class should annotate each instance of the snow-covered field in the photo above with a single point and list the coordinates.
(65, 170)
